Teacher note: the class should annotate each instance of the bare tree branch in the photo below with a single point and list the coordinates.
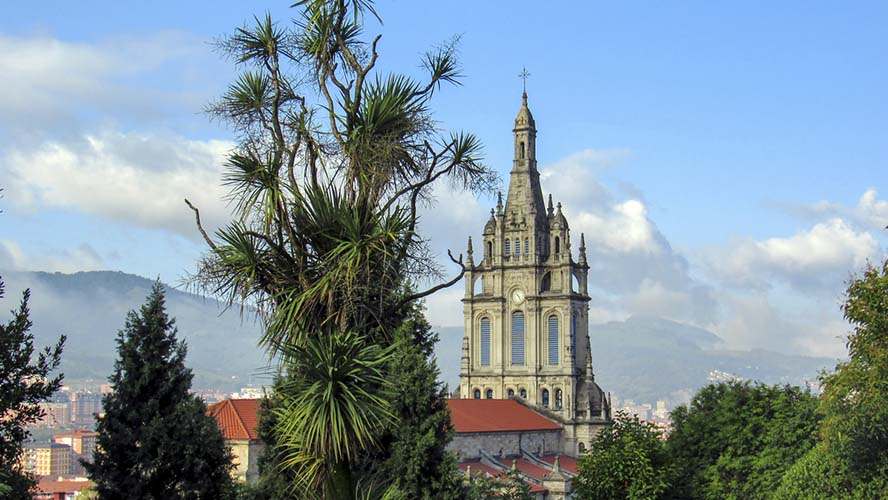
(199, 226)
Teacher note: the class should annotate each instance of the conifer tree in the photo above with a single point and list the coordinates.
(24, 382)
(418, 459)
(156, 440)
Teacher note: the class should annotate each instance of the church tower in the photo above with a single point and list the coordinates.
(526, 306)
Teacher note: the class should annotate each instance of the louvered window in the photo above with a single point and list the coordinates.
(553, 340)
(517, 247)
(573, 336)
(518, 338)
(485, 341)
(508, 246)
(526, 246)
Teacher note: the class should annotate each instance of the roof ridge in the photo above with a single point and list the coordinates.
(240, 420)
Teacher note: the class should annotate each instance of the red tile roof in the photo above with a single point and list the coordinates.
(478, 467)
(567, 463)
(63, 486)
(238, 418)
(532, 470)
(496, 415)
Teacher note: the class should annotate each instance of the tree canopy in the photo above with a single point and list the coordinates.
(155, 440)
(851, 460)
(333, 163)
(25, 381)
(736, 439)
(627, 461)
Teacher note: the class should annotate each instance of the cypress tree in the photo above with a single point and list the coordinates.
(156, 440)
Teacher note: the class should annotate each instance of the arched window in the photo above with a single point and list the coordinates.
(582, 448)
(511, 393)
(526, 246)
(558, 399)
(557, 245)
(546, 398)
(489, 394)
(485, 341)
(490, 250)
(508, 246)
(517, 246)
(553, 340)
(477, 394)
(523, 393)
(521, 150)
(518, 338)
(546, 283)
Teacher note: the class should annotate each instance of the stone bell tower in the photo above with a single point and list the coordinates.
(526, 306)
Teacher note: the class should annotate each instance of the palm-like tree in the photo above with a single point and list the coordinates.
(326, 194)
(332, 410)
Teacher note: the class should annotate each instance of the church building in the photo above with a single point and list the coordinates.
(526, 337)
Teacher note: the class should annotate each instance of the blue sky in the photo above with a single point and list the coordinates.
(729, 162)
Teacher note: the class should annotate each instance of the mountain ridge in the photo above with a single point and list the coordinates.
(644, 358)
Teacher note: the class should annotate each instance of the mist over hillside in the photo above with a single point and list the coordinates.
(91, 307)
(648, 359)
(642, 358)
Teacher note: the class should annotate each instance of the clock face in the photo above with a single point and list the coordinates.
(518, 296)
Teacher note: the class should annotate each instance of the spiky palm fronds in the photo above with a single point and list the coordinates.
(332, 410)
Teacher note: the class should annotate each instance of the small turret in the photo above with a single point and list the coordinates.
(469, 260)
(582, 260)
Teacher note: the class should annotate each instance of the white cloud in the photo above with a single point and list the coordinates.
(873, 210)
(58, 82)
(622, 228)
(821, 256)
(136, 178)
(870, 212)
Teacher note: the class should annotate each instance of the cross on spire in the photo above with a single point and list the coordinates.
(523, 76)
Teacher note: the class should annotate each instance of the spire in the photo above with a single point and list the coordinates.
(499, 202)
(525, 195)
(582, 260)
(469, 259)
(551, 210)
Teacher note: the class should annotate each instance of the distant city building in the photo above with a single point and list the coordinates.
(250, 393)
(83, 446)
(47, 459)
(238, 420)
(84, 408)
(55, 414)
(661, 411)
(720, 376)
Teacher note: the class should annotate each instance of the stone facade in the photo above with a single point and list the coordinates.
(246, 458)
(526, 306)
(470, 445)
